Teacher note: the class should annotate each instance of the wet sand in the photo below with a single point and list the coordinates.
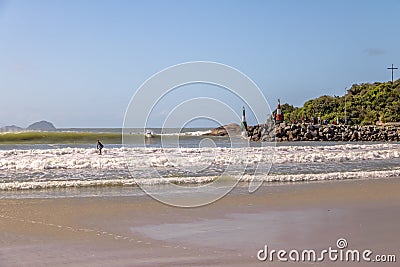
(138, 231)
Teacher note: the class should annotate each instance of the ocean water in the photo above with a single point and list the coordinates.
(50, 169)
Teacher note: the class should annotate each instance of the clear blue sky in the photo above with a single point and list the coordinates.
(78, 63)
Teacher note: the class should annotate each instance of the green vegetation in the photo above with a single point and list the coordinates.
(59, 138)
(365, 104)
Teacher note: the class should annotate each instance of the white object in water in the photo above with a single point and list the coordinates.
(149, 134)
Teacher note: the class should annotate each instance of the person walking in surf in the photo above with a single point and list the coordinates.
(99, 147)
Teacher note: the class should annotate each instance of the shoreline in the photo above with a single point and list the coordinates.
(126, 231)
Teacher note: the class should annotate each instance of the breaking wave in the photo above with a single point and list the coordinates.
(199, 180)
(114, 158)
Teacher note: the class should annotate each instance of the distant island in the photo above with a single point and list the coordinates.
(37, 126)
(41, 125)
(11, 128)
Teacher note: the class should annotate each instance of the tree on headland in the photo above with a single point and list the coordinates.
(365, 104)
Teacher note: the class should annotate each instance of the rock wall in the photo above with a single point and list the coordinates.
(309, 132)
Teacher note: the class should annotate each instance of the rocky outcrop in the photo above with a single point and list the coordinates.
(232, 129)
(261, 132)
(309, 132)
(41, 125)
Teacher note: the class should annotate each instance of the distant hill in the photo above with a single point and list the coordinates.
(11, 128)
(41, 125)
(37, 126)
(365, 104)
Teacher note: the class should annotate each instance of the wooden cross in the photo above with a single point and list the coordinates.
(392, 68)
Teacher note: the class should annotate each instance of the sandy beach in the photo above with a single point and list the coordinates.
(138, 231)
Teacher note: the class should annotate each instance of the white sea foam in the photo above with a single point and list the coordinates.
(336, 153)
(195, 133)
(82, 167)
(114, 158)
(198, 133)
(200, 180)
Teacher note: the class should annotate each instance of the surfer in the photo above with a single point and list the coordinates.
(99, 146)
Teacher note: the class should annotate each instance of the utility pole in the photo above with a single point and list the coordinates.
(392, 68)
